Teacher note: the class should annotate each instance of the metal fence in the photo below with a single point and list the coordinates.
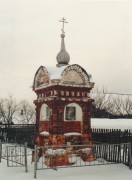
(18, 132)
(52, 157)
(15, 154)
(26, 132)
(3, 151)
(111, 136)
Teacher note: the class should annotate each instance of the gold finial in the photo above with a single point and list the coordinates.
(63, 21)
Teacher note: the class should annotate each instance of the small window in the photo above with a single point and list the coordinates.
(73, 93)
(67, 93)
(83, 93)
(78, 93)
(62, 93)
(55, 93)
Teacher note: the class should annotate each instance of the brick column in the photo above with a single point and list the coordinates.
(37, 123)
(86, 127)
(56, 127)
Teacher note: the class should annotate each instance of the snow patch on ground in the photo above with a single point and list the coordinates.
(111, 123)
(99, 172)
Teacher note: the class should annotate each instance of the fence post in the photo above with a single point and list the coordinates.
(129, 156)
(35, 162)
(0, 150)
(7, 156)
(25, 153)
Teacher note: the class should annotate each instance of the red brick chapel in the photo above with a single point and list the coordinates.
(63, 104)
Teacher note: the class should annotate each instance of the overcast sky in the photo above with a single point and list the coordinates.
(98, 37)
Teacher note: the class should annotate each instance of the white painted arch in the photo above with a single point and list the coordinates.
(43, 113)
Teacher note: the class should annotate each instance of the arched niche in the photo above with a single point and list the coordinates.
(44, 113)
(75, 74)
(41, 77)
(72, 112)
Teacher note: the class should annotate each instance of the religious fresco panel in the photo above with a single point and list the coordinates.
(70, 113)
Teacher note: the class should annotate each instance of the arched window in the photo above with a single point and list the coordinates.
(73, 112)
(44, 113)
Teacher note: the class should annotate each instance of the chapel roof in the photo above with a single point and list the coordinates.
(73, 75)
(63, 73)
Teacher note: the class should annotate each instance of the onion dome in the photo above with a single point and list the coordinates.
(63, 57)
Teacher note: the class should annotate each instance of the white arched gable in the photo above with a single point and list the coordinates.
(73, 112)
(41, 77)
(44, 113)
(75, 74)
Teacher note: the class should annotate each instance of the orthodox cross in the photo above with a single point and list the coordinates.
(63, 21)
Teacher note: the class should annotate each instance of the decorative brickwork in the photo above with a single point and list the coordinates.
(73, 126)
(73, 88)
(44, 126)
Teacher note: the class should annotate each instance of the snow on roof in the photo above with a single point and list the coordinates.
(72, 134)
(45, 133)
(55, 72)
(56, 151)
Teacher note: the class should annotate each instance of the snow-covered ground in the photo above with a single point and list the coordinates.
(111, 123)
(99, 172)
(109, 172)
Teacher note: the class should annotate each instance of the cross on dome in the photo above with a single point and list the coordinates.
(63, 22)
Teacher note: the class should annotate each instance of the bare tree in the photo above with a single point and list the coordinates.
(113, 105)
(8, 108)
(26, 115)
(127, 106)
(101, 102)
